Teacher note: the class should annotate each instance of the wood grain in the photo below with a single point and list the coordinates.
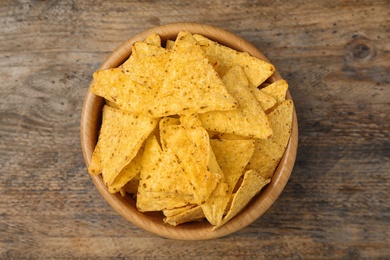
(334, 55)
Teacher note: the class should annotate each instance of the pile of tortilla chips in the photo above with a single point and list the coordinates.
(190, 129)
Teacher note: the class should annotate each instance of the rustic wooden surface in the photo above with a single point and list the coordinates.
(336, 57)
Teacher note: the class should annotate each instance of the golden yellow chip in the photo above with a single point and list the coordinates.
(266, 101)
(191, 84)
(269, 152)
(175, 211)
(153, 39)
(134, 86)
(127, 174)
(163, 182)
(251, 185)
(122, 92)
(121, 136)
(232, 156)
(146, 65)
(278, 90)
(215, 205)
(248, 120)
(192, 214)
(281, 122)
(95, 167)
(190, 145)
(256, 70)
(169, 44)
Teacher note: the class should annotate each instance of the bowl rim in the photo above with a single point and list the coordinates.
(90, 124)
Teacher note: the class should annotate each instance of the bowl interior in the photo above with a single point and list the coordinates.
(152, 222)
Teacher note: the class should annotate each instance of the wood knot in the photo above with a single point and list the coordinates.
(360, 49)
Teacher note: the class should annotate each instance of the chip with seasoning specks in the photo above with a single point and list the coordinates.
(268, 152)
(121, 136)
(251, 185)
(256, 70)
(248, 120)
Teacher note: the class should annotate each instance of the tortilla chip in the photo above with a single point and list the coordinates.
(281, 123)
(128, 173)
(122, 92)
(95, 167)
(163, 182)
(215, 205)
(251, 185)
(121, 136)
(153, 39)
(269, 152)
(266, 101)
(191, 147)
(257, 71)
(146, 65)
(192, 214)
(134, 86)
(232, 156)
(277, 90)
(248, 120)
(175, 211)
(169, 44)
(191, 84)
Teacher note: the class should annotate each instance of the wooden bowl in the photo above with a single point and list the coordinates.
(152, 222)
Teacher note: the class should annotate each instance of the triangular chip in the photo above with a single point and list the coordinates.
(251, 185)
(278, 90)
(190, 145)
(95, 167)
(266, 101)
(232, 156)
(281, 123)
(163, 182)
(153, 39)
(248, 120)
(135, 85)
(128, 173)
(192, 214)
(121, 136)
(215, 205)
(256, 70)
(269, 152)
(122, 92)
(146, 66)
(191, 83)
(175, 211)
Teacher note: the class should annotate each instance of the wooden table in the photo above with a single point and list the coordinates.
(336, 58)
